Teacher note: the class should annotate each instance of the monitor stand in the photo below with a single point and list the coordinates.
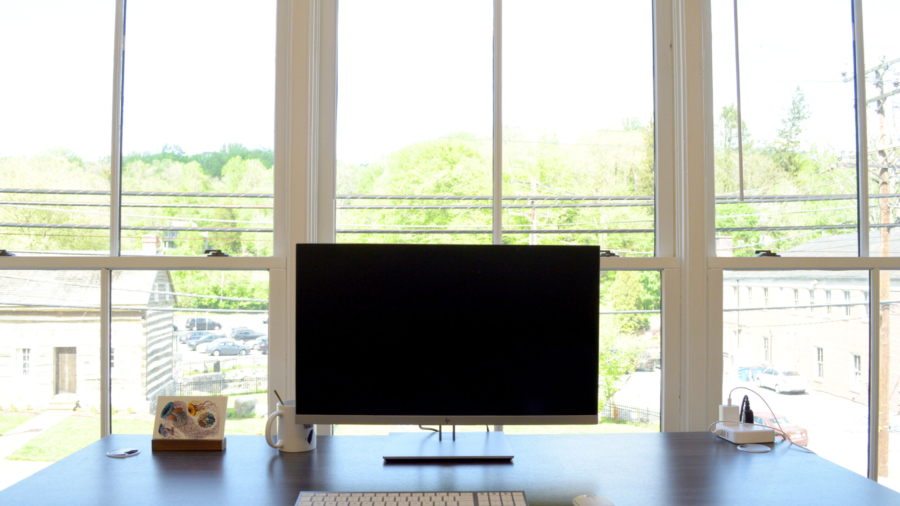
(436, 446)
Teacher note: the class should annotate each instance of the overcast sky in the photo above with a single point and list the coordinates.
(409, 70)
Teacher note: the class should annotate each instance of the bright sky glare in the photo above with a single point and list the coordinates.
(409, 70)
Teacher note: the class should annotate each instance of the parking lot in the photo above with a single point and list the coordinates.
(229, 322)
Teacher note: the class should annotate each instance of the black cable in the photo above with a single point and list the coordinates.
(428, 428)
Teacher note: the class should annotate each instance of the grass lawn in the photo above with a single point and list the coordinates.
(9, 421)
(247, 426)
(61, 440)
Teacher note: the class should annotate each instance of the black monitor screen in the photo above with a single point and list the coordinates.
(392, 333)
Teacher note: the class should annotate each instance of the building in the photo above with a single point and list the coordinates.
(50, 345)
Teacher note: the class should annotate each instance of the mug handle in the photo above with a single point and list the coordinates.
(268, 432)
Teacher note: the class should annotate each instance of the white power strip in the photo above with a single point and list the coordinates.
(744, 433)
(741, 433)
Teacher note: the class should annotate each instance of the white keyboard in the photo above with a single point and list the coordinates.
(514, 498)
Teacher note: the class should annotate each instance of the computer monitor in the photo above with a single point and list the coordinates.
(447, 334)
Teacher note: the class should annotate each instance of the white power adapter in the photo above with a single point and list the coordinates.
(731, 429)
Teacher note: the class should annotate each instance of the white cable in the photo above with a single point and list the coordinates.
(770, 411)
(783, 434)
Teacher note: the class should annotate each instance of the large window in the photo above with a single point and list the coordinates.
(782, 357)
(197, 143)
(786, 174)
(55, 126)
(189, 333)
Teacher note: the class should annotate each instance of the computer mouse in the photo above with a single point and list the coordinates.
(591, 500)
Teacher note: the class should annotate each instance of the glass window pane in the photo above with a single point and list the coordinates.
(414, 121)
(799, 129)
(198, 131)
(55, 136)
(883, 113)
(189, 333)
(578, 137)
(800, 358)
(629, 384)
(49, 367)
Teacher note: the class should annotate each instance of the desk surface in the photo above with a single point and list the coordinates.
(629, 469)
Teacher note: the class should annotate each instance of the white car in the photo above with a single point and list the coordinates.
(782, 380)
(202, 347)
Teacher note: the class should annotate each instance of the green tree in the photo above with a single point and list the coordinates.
(726, 128)
(786, 148)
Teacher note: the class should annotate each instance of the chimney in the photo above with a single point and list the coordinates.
(150, 244)
(724, 246)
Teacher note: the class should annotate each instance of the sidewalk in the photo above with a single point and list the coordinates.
(11, 471)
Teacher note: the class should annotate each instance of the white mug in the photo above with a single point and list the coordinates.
(292, 437)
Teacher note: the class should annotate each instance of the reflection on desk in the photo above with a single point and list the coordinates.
(629, 469)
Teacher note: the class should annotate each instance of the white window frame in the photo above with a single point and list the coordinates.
(864, 262)
(691, 273)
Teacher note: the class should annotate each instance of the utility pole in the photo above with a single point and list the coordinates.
(884, 182)
(883, 166)
(883, 177)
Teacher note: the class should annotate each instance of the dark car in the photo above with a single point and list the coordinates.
(244, 334)
(257, 342)
(202, 324)
(209, 337)
(227, 347)
(264, 347)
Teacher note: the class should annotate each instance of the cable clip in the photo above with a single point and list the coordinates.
(607, 253)
(766, 253)
(215, 253)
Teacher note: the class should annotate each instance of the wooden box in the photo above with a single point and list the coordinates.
(189, 444)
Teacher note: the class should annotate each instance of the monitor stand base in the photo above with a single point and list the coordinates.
(431, 446)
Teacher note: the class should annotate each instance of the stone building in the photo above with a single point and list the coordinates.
(50, 339)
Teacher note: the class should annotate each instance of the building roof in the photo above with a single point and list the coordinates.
(74, 288)
(843, 245)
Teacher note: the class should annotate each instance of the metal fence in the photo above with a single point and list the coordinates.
(626, 413)
(224, 363)
(221, 386)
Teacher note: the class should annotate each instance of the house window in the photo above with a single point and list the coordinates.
(857, 369)
(767, 350)
(796, 297)
(112, 358)
(828, 300)
(866, 299)
(847, 300)
(812, 299)
(765, 296)
(25, 360)
(820, 363)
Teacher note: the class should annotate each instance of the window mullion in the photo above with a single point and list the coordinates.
(105, 338)
(874, 369)
(862, 147)
(115, 160)
(497, 142)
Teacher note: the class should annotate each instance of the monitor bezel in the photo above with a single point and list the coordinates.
(449, 418)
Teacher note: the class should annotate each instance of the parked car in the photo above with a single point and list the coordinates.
(258, 341)
(782, 380)
(193, 336)
(244, 334)
(202, 324)
(798, 434)
(264, 347)
(203, 347)
(208, 338)
(227, 347)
